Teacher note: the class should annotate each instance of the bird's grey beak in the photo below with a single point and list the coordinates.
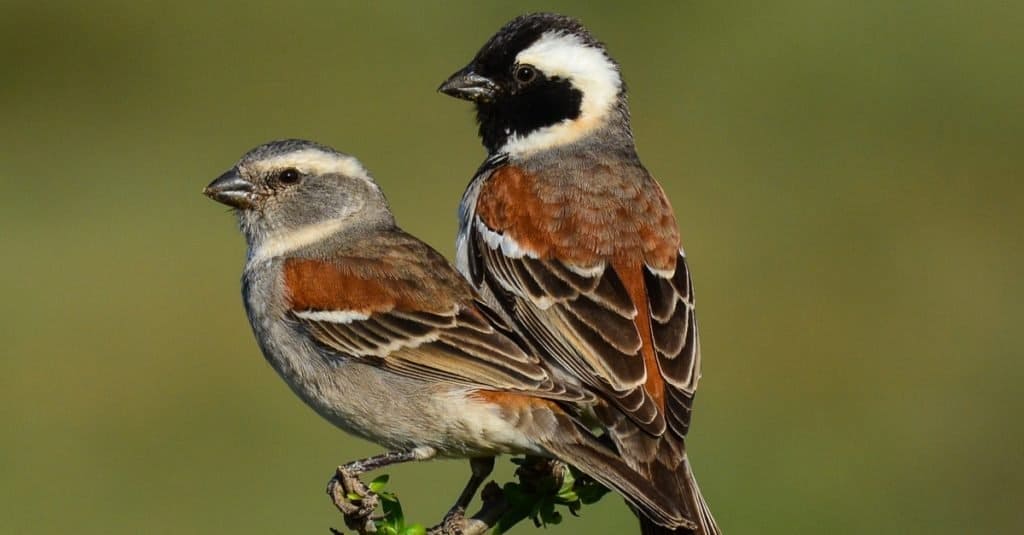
(232, 190)
(469, 85)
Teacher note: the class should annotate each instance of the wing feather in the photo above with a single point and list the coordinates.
(423, 321)
(459, 351)
(676, 338)
(585, 319)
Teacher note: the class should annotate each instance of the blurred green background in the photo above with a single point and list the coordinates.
(847, 176)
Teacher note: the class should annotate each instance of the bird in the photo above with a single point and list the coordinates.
(381, 335)
(565, 232)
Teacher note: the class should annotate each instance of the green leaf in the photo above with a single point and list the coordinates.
(414, 529)
(393, 510)
(378, 484)
(353, 497)
(567, 496)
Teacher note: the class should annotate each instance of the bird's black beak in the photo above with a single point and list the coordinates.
(232, 190)
(469, 85)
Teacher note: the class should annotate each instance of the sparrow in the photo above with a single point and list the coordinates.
(566, 233)
(381, 336)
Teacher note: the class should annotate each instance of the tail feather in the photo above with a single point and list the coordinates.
(654, 478)
(606, 468)
(695, 507)
(662, 460)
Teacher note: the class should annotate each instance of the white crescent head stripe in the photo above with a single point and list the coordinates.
(589, 69)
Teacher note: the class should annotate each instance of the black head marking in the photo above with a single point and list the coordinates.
(498, 54)
(524, 103)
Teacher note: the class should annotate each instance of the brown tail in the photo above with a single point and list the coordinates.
(656, 480)
(695, 508)
(607, 468)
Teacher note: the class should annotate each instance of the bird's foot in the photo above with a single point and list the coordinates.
(354, 499)
(454, 523)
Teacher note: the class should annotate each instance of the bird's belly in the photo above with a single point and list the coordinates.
(400, 413)
(477, 427)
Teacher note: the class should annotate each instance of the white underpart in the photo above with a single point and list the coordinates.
(333, 316)
(484, 425)
(589, 69)
(317, 162)
(284, 242)
(422, 453)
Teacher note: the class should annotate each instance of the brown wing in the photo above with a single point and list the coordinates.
(675, 338)
(594, 278)
(415, 316)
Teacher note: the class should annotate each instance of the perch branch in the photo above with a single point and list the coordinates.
(494, 507)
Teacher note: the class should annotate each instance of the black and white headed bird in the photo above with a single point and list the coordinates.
(566, 232)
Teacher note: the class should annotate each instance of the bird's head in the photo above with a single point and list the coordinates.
(541, 81)
(290, 187)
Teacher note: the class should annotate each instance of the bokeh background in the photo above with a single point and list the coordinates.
(848, 180)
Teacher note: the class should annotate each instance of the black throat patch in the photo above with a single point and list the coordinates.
(545, 103)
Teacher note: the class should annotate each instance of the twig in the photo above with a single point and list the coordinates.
(493, 508)
(494, 504)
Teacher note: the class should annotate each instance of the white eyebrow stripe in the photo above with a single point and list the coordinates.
(317, 162)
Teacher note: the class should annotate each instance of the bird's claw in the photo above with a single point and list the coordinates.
(454, 523)
(358, 512)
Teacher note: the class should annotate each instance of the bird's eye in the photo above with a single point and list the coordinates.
(289, 176)
(525, 73)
